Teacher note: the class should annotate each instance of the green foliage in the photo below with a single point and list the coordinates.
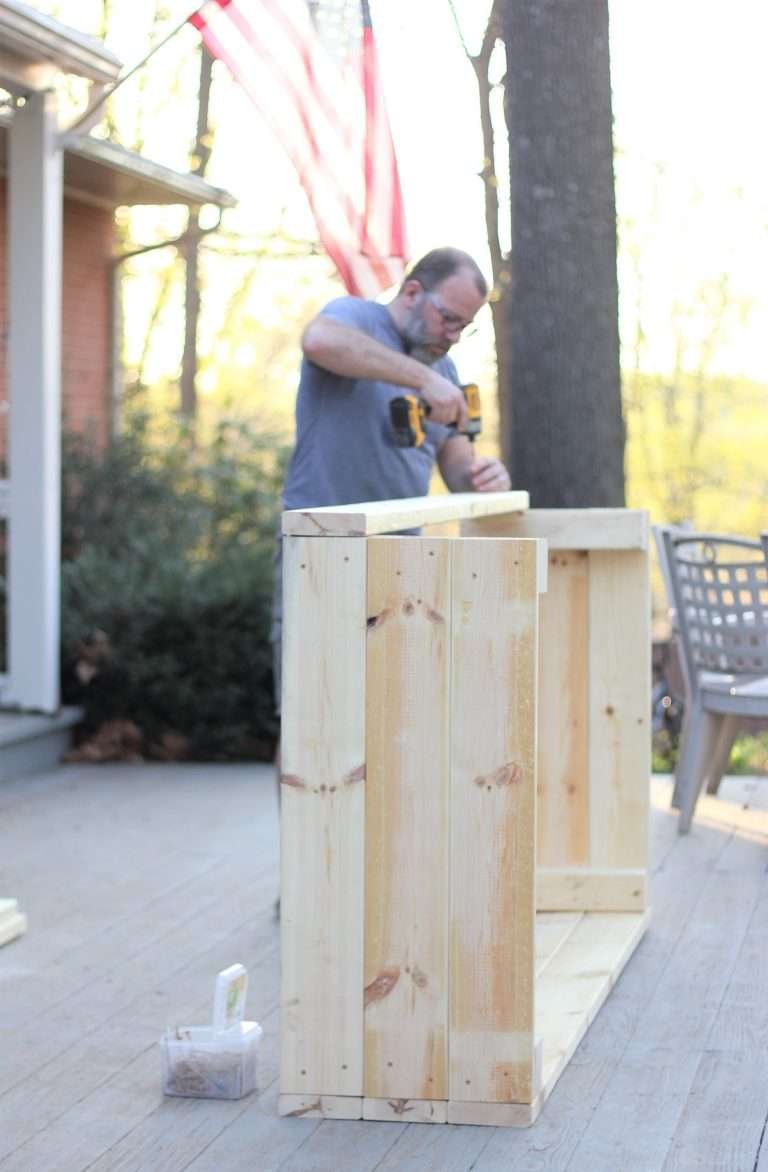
(696, 450)
(749, 754)
(167, 550)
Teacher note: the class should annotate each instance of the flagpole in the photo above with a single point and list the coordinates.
(70, 132)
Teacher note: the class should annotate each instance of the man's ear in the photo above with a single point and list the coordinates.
(411, 290)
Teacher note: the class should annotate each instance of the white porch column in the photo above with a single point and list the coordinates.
(34, 386)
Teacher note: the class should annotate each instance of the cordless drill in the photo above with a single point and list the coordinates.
(408, 414)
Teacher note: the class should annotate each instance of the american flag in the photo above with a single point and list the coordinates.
(323, 101)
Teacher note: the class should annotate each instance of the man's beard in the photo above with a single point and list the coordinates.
(417, 344)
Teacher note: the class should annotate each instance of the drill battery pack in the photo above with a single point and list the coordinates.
(408, 414)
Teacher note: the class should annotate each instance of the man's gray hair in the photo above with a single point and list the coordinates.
(441, 263)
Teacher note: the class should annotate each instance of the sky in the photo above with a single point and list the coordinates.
(692, 177)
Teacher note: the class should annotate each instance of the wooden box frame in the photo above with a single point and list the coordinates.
(465, 779)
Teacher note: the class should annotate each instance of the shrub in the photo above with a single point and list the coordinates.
(166, 587)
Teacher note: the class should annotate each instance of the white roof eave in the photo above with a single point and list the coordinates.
(34, 46)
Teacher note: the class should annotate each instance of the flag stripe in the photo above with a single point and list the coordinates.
(332, 124)
(331, 221)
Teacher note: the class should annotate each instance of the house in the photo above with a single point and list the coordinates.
(58, 196)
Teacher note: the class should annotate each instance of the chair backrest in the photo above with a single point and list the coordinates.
(720, 591)
(658, 532)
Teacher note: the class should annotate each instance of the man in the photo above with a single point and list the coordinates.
(358, 355)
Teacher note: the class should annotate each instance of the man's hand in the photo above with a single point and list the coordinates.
(445, 400)
(489, 475)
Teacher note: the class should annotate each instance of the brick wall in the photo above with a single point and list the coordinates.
(86, 297)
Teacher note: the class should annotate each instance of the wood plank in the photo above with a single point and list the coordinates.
(591, 889)
(659, 1027)
(631, 1134)
(339, 1146)
(563, 761)
(320, 1106)
(372, 517)
(493, 768)
(741, 1023)
(552, 931)
(405, 1110)
(569, 529)
(571, 989)
(716, 811)
(436, 1149)
(259, 1129)
(406, 924)
(619, 724)
(724, 1123)
(12, 923)
(323, 792)
(494, 1114)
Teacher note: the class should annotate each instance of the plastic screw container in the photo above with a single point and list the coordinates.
(201, 1064)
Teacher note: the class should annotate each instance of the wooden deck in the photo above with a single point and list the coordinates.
(142, 882)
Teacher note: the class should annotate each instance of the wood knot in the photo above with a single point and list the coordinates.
(292, 780)
(400, 1106)
(310, 1107)
(354, 775)
(408, 608)
(509, 774)
(434, 616)
(419, 978)
(381, 986)
(378, 620)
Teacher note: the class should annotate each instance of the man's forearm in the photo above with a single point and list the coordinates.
(349, 352)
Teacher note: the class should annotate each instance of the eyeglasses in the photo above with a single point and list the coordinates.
(451, 320)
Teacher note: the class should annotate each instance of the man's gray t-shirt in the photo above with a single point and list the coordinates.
(345, 447)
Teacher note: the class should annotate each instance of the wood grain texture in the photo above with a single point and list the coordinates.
(573, 985)
(619, 723)
(405, 1110)
(569, 529)
(320, 1107)
(493, 778)
(494, 1114)
(591, 889)
(563, 762)
(372, 517)
(406, 961)
(552, 931)
(323, 772)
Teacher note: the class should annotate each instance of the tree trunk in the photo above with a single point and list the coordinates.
(563, 380)
(191, 249)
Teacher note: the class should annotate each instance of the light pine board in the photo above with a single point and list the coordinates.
(619, 721)
(563, 765)
(599, 889)
(568, 529)
(573, 984)
(406, 850)
(493, 779)
(12, 923)
(372, 517)
(594, 734)
(323, 795)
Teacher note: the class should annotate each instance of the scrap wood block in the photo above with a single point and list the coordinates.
(12, 922)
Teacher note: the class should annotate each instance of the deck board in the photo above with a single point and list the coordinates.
(141, 882)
